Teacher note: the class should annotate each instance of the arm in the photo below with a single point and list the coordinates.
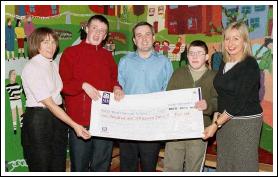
(9, 90)
(121, 72)
(172, 82)
(212, 102)
(168, 73)
(59, 113)
(117, 89)
(218, 120)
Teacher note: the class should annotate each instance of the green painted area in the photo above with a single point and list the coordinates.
(267, 138)
(14, 151)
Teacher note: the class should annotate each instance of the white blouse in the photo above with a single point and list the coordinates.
(228, 66)
(41, 80)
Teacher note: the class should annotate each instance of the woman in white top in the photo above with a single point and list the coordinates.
(44, 131)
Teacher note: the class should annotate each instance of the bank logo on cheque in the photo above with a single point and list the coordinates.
(105, 98)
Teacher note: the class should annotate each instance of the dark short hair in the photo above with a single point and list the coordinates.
(102, 19)
(142, 24)
(17, 22)
(199, 43)
(36, 37)
(9, 19)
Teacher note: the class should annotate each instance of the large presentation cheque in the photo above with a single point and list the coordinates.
(155, 116)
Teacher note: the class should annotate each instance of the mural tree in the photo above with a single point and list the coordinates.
(233, 16)
(214, 29)
(118, 11)
(267, 56)
(124, 14)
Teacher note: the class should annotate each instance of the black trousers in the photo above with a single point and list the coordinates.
(44, 139)
(132, 151)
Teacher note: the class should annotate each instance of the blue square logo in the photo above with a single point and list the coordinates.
(105, 98)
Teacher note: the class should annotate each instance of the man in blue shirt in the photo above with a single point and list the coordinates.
(142, 71)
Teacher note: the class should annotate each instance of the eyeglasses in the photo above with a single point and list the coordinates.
(199, 53)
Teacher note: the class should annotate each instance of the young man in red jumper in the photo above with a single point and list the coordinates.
(85, 69)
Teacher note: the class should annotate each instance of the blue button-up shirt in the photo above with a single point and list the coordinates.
(137, 75)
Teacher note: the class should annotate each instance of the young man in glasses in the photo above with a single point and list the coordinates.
(189, 155)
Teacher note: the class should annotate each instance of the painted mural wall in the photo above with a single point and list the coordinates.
(175, 27)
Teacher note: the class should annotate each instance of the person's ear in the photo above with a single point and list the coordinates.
(207, 57)
(86, 29)
(104, 36)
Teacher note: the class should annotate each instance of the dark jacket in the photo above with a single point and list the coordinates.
(182, 79)
(238, 88)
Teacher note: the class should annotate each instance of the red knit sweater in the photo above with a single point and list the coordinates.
(85, 63)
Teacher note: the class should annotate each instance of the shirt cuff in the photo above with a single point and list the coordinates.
(230, 116)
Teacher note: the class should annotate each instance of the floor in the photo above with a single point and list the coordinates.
(265, 158)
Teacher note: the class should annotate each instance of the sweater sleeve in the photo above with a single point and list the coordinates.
(168, 73)
(71, 85)
(172, 84)
(248, 83)
(212, 102)
(121, 73)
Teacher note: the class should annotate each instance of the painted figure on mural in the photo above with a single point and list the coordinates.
(9, 39)
(216, 59)
(165, 47)
(177, 48)
(14, 90)
(110, 45)
(183, 57)
(82, 31)
(156, 45)
(28, 26)
(20, 35)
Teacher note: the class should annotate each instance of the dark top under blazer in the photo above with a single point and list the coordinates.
(238, 88)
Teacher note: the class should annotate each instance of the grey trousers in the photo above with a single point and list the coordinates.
(185, 155)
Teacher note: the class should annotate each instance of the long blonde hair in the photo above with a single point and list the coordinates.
(244, 33)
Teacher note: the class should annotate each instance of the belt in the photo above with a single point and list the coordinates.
(41, 108)
(36, 108)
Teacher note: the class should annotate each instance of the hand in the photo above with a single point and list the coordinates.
(215, 116)
(91, 91)
(81, 132)
(118, 93)
(209, 131)
(201, 105)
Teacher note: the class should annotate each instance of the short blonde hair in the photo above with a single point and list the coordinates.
(36, 37)
(244, 33)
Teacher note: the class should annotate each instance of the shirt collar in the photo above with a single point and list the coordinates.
(153, 53)
(42, 59)
(83, 42)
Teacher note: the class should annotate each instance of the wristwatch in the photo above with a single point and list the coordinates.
(217, 124)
